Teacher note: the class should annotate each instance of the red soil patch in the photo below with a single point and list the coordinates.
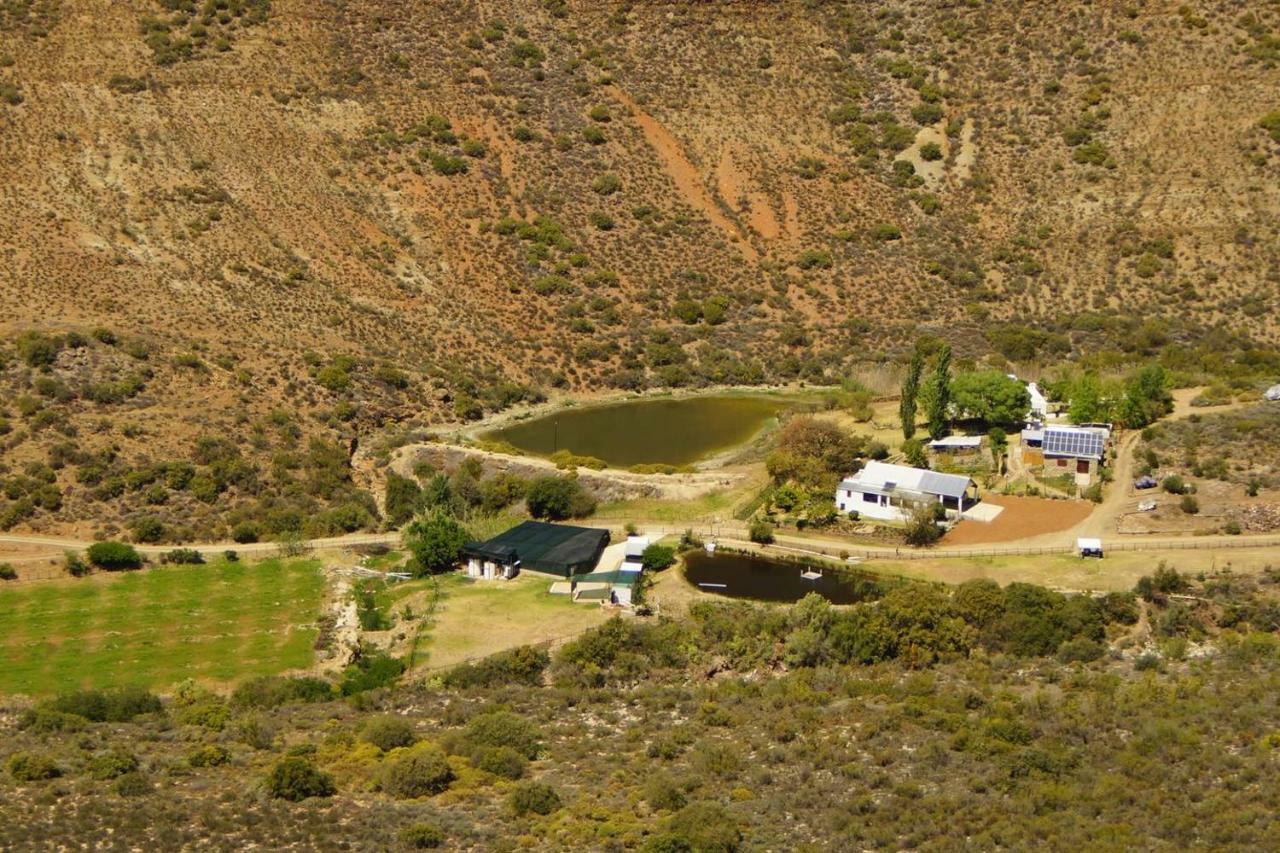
(685, 175)
(1022, 518)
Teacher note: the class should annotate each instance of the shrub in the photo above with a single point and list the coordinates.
(436, 541)
(922, 527)
(657, 557)
(1174, 485)
(209, 755)
(45, 721)
(421, 772)
(761, 532)
(885, 232)
(558, 498)
(930, 152)
(533, 797)
(114, 556)
(133, 785)
(32, 767)
(112, 765)
(1189, 504)
(8, 572)
(706, 826)
(503, 728)
(521, 665)
(183, 557)
(1080, 650)
(422, 836)
(388, 733)
(294, 778)
(372, 670)
(663, 794)
(500, 761)
(107, 706)
(271, 691)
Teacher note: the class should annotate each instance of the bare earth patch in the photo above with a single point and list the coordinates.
(1022, 518)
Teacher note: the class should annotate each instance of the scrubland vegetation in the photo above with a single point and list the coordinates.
(927, 718)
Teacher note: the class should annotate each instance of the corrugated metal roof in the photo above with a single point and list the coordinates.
(883, 478)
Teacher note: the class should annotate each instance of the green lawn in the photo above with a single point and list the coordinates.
(216, 622)
(479, 618)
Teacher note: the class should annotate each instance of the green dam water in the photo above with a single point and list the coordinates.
(677, 431)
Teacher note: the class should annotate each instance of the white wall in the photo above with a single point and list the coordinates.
(847, 501)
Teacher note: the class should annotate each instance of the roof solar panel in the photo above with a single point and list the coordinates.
(1080, 443)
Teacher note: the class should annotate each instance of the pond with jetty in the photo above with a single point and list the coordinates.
(648, 431)
(762, 578)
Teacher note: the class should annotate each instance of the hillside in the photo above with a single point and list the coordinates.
(357, 213)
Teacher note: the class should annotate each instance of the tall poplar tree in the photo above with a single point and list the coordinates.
(940, 398)
(910, 390)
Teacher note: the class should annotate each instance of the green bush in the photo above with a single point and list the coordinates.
(114, 556)
(500, 761)
(294, 778)
(112, 765)
(420, 772)
(657, 557)
(533, 798)
(930, 152)
(1189, 504)
(133, 785)
(761, 532)
(107, 706)
(558, 498)
(1080, 650)
(435, 540)
(209, 755)
(706, 826)
(663, 794)
(32, 767)
(521, 665)
(183, 557)
(272, 691)
(373, 670)
(388, 733)
(922, 527)
(422, 836)
(503, 728)
(8, 572)
(45, 721)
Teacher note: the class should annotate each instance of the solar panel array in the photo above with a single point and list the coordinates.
(1071, 442)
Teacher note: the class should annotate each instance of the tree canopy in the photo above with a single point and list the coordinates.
(990, 396)
(436, 541)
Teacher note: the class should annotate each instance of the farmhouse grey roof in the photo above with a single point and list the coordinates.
(882, 478)
(1074, 442)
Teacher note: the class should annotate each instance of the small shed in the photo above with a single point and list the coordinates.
(956, 444)
(1089, 547)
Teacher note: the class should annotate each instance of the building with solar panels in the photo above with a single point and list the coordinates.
(891, 492)
(1078, 450)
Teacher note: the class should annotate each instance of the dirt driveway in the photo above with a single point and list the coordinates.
(1022, 518)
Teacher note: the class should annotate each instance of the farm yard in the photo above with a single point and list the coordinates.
(215, 623)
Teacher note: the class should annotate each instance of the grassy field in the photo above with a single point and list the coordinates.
(478, 618)
(216, 622)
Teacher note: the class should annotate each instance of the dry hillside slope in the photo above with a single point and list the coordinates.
(473, 201)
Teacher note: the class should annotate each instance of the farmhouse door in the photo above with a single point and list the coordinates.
(1082, 466)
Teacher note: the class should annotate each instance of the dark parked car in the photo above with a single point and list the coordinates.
(1145, 483)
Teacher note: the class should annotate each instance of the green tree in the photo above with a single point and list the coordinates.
(910, 391)
(557, 498)
(657, 557)
(1146, 397)
(114, 556)
(990, 396)
(404, 498)
(294, 778)
(435, 540)
(939, 411)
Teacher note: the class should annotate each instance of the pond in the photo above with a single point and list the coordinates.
(669, 431)
(764, 579)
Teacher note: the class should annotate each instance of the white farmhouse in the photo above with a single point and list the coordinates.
(890, 492)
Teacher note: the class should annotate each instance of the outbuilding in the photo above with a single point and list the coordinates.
(555, 549)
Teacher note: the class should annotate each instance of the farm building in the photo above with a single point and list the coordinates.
(891, 492)
(956, 444)
(616, 586)
(556, 549)
(1079, 450)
